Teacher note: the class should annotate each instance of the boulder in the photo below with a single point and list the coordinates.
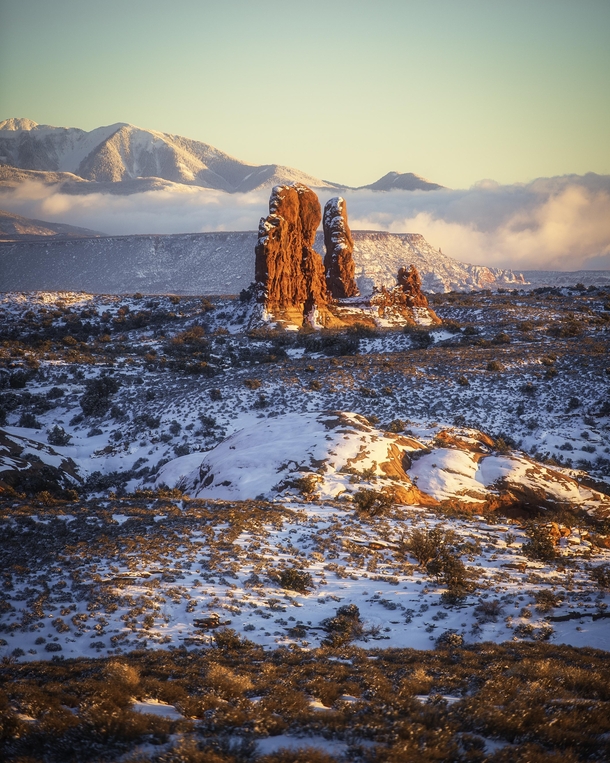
(339, 245)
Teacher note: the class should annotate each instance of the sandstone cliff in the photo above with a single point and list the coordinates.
(339, 244)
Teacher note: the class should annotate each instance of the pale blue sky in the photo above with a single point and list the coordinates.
(455, 90)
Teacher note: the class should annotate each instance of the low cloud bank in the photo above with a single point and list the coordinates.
(560, 223)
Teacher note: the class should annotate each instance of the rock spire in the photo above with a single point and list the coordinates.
(409, 281)
(288, 271)
(339, 244)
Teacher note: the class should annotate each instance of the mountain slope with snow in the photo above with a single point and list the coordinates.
(122, 152)
(119, 153)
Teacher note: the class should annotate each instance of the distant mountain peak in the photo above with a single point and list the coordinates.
(17, 123)
(404, 181)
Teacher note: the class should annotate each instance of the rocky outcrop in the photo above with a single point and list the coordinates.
(409, 281)
(289, 273)
(405, 302)
(339, 453)
(339, 244)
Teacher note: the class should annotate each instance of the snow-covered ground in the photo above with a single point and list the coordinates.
(107, 573)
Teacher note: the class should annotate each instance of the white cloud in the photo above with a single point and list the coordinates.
(551, 223)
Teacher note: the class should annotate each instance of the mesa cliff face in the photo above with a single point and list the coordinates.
(339, 245)
(289, 273)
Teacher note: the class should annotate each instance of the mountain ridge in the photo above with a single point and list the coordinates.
(121, 152)
(17, 228)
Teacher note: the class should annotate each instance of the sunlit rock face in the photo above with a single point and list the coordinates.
(289, 273)
(334, 454)
(409, 281)
(339, 244)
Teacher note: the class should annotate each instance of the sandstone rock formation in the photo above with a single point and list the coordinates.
(454, 468)
(289, 273)
(339, 260)
(405, 301)
(409, 281)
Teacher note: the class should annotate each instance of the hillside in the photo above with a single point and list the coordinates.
(218, 263)
(17, 228)
(117, 158)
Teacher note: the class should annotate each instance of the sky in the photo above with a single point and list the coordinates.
(347, 90)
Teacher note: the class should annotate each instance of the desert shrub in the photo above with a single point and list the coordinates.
(252, 383)
(501, 338)
(546, 601)
(488, 611)
(96, 399)
(372, 502)
(463, 381)
(344, 627)
(449, 569)
(306, 485)
(450, 639)
(226, 683)
(526, 326)
(58, 436)
(420, 337)
(175, 427)
(540, 546)
(396, 426)
(565, 329)
(362, 331)
(147, 420)
(55, 392)
(215, 394)
(261, 402)
(495, 365)
(294, 579)
(18, 379)
(229, 640)
(425, 544)
(30, 421)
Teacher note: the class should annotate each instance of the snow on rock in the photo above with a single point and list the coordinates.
(339, 244)
(275, 455)
(158, 708)
(330, 454)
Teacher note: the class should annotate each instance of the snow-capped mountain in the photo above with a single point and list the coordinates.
(218, 263)
(122, 153)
